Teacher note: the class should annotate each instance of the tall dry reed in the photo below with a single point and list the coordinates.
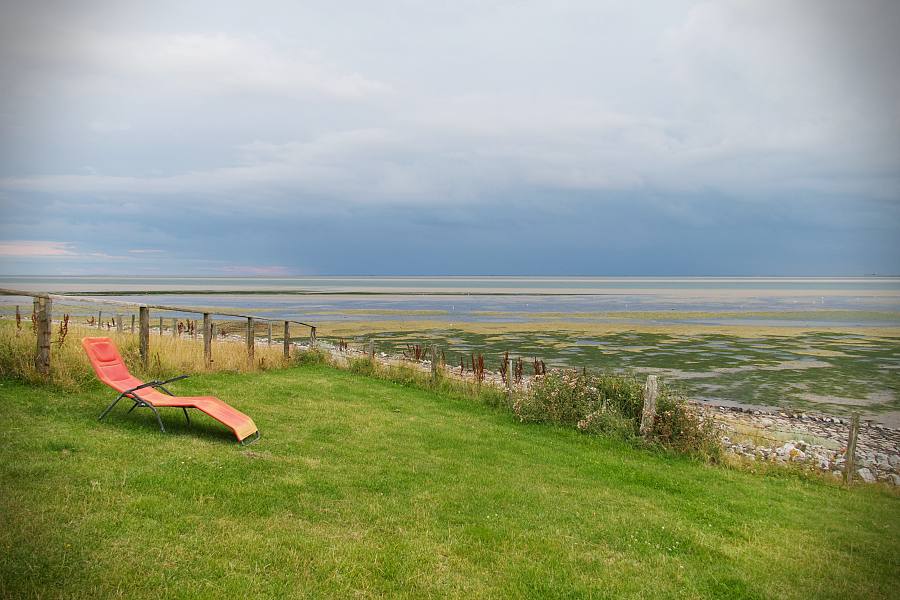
(169, 356)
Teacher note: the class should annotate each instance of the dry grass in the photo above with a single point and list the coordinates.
(169, 356)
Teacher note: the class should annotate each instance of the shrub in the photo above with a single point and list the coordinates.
(312, 356)
(681, 428)
(612, 405)
(584, 400)
(608, 421)
(560, 397)
(362, 365)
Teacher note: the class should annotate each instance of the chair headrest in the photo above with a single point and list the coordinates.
(102, 348)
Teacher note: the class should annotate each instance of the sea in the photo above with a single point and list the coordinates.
(842, 301)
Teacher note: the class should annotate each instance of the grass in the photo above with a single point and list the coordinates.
(364, 487)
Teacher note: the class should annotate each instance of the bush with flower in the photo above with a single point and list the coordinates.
(612, 405)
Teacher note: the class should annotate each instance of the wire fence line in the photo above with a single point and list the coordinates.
(43, 320)
(123, 303)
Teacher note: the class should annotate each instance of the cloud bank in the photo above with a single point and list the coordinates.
(724, 137)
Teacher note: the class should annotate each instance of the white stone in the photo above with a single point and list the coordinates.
(894, 479)
(785, 450)
(866, 475)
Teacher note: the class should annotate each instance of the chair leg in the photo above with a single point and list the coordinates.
(134, 406)
(158, 419)
(109, 408)
(186, 416)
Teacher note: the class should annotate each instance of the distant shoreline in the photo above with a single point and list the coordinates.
(332, 293)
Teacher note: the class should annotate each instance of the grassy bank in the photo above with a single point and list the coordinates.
(605, 405)
(361, 486)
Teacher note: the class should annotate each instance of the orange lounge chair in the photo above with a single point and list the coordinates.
(111, 370)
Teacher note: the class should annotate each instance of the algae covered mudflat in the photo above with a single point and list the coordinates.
(834, 370)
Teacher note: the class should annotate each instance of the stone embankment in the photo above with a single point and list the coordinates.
(817, 440)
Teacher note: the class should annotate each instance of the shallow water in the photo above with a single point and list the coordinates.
(512, 299)
(700, 292)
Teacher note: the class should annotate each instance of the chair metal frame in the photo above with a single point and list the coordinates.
(141, 403)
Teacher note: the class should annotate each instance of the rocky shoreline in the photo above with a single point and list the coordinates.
(812, 439)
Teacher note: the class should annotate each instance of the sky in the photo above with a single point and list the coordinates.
(757, 137)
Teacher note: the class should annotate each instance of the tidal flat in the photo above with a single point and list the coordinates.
(835, 370)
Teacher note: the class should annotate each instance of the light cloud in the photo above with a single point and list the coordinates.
(86, 63)
(101, 126)
(219, 114)
(32, 249)
(258, 270)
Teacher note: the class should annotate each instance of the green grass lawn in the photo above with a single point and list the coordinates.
(361, 487)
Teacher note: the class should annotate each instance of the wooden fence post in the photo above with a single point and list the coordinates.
(287, 339)
(508, 381)
(371, 349)
(207, 341)
(175, 328)
(118, 319)
(99, 319)
(435, 361)
(18, 320)
(651, 389)
(251, 339)
(144, 334)
(850, 455)
(42, 311)
(160, 326)
(270, 333)
(312, 337)
(132, 323)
